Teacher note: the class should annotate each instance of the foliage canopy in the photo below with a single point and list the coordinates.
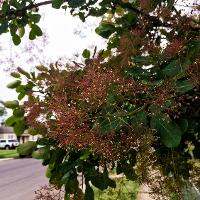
(134, 106)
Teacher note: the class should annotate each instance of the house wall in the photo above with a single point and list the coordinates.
(7, 133)
(22, 139)
(8, 136)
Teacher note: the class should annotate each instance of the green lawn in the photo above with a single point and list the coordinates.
(125, 190)
(8, 154)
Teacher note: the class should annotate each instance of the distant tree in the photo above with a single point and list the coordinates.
(133, 107)
(2, 111)
(3, 114)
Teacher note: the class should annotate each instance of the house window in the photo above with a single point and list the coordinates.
(10, 136)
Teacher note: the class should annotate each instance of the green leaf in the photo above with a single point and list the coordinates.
(183, 124)
(86, 53)
(169, 131)
(155, 109)
(19, 127)
(127, 169)
(35, 18)
(105, 30)
(111, 183)
(114, 122)
(14, 84)
(18, 112)
(57, 3)
(42, 68)
(81, 16)
(22, 71)
(48, 171)
(128, 19)
(32, 35)
(99, 182)
(40, 130)
(36, 30)
(21, 31)
(89, 193)
(14, 3)
(119, 168)
(144, 60)
(15, 74)
(27, 148)
(10, 121)
(41, 153)
(137, 73)
(16, 39)
(11, 104)
(106, 53)
(66, 178)
(29, 85)
(183, 86)
(33, 131)
(67, 196)
(86, 154)
(4, 27)
(193, 49)
(176, 67)
(20, 89)
(5, 7)
(170, 3)
(13, 29)
(139, 118)
(75, 3)
(21, 95)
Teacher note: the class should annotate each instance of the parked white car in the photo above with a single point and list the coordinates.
(8, 144)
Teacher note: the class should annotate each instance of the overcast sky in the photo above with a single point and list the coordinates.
(64, 39)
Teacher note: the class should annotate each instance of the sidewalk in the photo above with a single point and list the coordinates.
(3, 159)
(143, 193)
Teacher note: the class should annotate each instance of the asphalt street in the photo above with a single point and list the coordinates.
(19, 178)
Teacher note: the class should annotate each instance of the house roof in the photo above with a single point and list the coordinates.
(4, 129)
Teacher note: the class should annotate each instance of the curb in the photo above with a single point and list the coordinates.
(4, 159)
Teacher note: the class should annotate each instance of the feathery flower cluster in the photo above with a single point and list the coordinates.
(33, 111)
(174, 47)
(94, 85)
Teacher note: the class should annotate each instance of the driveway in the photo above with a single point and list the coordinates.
(19, 178)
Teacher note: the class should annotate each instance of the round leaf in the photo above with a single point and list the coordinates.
(15, 74)
(86, 54)
(33, 131)
(169, 132)
(14, 84)
(19, 127)
(18, 112)
(11, 104)
(16, 39)
(105, 30)
(10, 121)
(183, 86)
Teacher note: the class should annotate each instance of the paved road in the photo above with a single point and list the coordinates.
(19, 178)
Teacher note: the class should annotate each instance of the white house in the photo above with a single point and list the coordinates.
(7, 133)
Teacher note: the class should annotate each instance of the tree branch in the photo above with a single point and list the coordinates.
(155, 20)
(21, 11)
